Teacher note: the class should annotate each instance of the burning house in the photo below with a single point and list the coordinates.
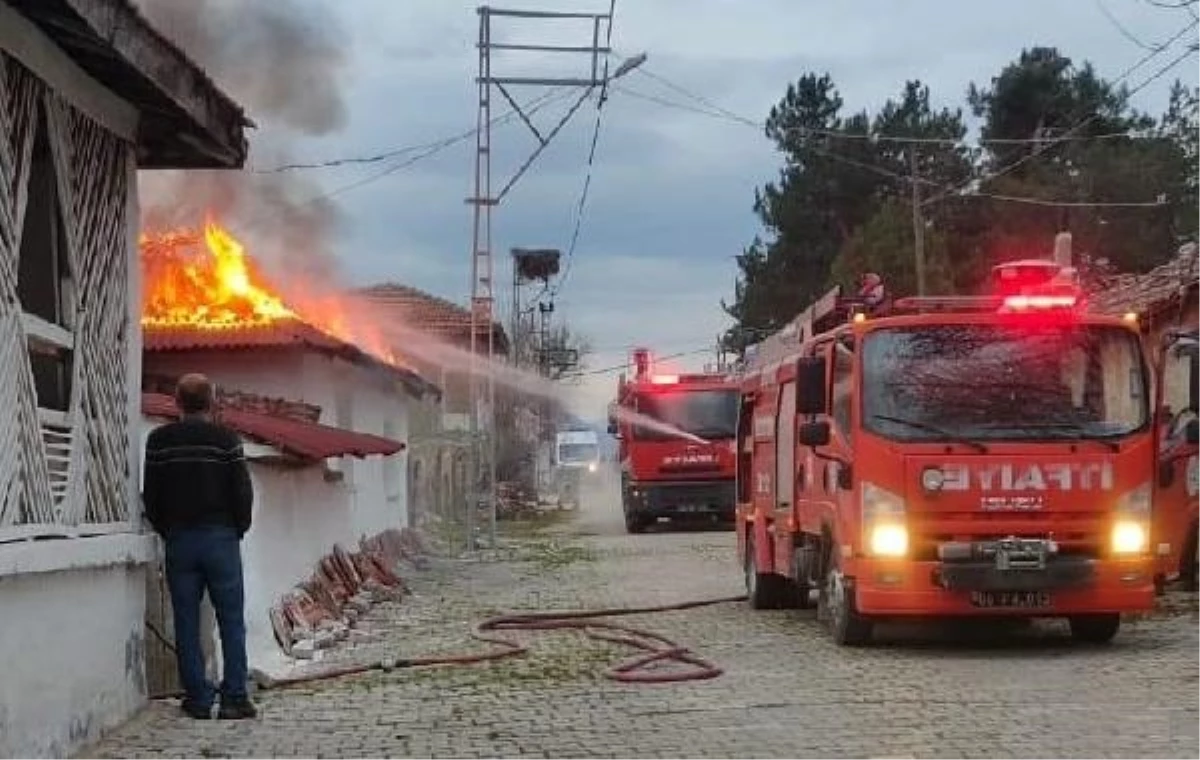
(324, 406)
(89, 94)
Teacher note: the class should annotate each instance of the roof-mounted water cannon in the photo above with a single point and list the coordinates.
(641, 363)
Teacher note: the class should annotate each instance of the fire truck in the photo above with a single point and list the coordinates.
(676, 436)
(1176, 504)
(953, 456)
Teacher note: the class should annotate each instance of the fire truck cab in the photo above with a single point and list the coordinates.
(1176, 504)
(957, 456)
(675, 435)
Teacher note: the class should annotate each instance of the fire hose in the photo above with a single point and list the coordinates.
(657, 648)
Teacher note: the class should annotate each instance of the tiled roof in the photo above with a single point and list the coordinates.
(307, 440)
(289, 333)
(427, 313)
(1149, 293)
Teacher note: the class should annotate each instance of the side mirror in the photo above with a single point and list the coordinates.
(1192, 432)
(811, 397)
(813, 434)
(1193, 389)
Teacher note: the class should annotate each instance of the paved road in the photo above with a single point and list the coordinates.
(787, 691)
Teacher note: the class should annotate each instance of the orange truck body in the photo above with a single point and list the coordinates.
(669, 476)
(914, 465)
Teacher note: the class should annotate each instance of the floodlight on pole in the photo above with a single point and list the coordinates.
(628, 65)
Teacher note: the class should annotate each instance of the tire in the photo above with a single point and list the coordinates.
(1094, 629)
(764, 591)
(803, 585)
(846, 625)
(634, 525)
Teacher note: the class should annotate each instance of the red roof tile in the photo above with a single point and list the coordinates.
(287, 333)
(1149, 293)
(308, 440)
(427, 313)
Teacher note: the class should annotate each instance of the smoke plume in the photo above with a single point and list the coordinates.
(284, 62)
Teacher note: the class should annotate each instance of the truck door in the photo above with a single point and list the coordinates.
(1175, 487)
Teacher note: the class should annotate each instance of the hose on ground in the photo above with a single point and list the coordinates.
(657, 648)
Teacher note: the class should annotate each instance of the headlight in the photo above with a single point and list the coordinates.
(1129, 537)
(883, 522)
(889, 540)
(591, 466)
(1130, 532)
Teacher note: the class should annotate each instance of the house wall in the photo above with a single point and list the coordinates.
(72, 638)
(350, 397)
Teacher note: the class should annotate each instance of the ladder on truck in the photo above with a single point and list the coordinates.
(824, 314)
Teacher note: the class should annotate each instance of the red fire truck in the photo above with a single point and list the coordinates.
(1176, 505)
(676, 434)
(950, 456)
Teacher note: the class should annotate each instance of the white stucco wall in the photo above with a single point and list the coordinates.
(349, 396)
(72, 645)
(298, 514)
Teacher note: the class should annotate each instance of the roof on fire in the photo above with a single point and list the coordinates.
(186, 121)
(429, 313)
(280, 334)
(1167, 286)
(300, 438)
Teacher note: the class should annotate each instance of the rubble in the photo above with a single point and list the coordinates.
(324, 609)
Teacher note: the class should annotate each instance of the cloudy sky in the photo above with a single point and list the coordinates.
(671, 191)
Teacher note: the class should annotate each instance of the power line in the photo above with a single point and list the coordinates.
(587, 180)
(1051, 142)
(717, 111)
(1068, 204)
(1124, 30)
(627, 365)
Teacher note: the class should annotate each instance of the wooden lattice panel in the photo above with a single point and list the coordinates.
(62, 470)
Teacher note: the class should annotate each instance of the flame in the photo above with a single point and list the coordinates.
(204, 280)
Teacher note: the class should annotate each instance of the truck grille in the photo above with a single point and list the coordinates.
(1076, 533)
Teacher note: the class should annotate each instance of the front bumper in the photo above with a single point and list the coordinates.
(715, 498)
(1016, 583)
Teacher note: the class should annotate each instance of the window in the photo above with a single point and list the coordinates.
(1003, 382)
(44, 280)
(843, 385)
(712, 415)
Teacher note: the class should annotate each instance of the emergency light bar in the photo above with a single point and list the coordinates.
(1032, 302)
(664, 379)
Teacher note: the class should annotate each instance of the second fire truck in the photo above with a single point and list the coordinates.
(675, 433)
(950, 456)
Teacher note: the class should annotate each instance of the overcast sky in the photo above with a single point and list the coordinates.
(671, 192)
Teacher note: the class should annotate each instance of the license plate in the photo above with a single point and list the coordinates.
(1011, 599)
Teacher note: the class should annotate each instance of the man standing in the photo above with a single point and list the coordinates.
(198, 496)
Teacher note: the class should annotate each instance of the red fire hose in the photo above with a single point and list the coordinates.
(657, 646)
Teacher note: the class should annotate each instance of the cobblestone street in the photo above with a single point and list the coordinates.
(787, 690)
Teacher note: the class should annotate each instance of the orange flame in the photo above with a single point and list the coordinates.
(206, 281)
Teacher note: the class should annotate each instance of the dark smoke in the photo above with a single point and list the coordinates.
(284, 62)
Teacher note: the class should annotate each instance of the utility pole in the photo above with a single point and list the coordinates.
(918, 222)
(482, 465)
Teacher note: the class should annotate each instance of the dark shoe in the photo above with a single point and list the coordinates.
(240, 709)
(193, 710)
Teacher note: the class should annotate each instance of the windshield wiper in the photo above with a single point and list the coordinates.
(917, 425)
(1075, 427)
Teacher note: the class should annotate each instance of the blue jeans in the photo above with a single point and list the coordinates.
(198, 559)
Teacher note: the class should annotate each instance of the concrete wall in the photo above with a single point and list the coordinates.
(71, 641)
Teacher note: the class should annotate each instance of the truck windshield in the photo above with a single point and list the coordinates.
(712, 415)
(1003, 382)
(578, 452)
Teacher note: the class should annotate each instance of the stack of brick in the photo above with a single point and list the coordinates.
(325, 608)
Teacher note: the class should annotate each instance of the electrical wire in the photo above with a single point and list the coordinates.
(587, 180)
(1124, 30)
(1053, 141)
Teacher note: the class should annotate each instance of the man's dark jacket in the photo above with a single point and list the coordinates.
(196, 475)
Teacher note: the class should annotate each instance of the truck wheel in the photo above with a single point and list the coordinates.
(765, 591)
(803, 559)
(634, 524)
(848, 627)
(1094, 629)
